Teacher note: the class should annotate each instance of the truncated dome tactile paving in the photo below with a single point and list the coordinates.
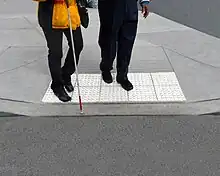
(148, 87)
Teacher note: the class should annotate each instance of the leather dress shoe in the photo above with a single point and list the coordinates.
(69, 87)
(67, 83)
(125, 84)
(107, 77)
(61, 94)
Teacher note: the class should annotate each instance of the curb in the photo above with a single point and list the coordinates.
(122, 109)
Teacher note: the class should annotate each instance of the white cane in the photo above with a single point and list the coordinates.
(74, 55)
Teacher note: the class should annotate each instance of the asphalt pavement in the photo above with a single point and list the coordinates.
(122, 146)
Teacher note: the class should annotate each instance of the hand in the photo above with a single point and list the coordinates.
(145, 10)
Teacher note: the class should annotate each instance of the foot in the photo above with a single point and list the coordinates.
(61, 94)
(125, 84)
(67, 83)
(107, 77)
(69, 87)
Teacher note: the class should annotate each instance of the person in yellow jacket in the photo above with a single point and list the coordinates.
(53, 19)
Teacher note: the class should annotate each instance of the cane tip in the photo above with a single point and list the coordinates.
(81, 112)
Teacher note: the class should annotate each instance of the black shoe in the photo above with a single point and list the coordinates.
(68, 86)
(61, 94)
(125, 84)
(107, 77)
(67, 83)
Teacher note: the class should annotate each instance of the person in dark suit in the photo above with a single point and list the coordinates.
(118, 28)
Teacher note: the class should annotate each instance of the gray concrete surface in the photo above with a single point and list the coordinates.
(177, 146)
(201, 15)
(161, 45)
(114, 109)
(19, 7)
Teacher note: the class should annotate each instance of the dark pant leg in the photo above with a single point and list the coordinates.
(109, 27)
(127, 37)
(54, 40)
(69, 65)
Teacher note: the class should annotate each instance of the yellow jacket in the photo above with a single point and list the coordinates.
(59, 13)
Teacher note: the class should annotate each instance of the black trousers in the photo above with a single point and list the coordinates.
(118, 28)
(54, 38)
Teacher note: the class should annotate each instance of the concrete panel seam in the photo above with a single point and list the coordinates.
(33, 27)
(4, 50)
(168, 58)
(21, 66)
(189, 58)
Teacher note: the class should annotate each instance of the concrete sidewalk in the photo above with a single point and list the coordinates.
(174, 70)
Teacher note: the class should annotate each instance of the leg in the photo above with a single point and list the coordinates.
(107, 34)
(127, 37)
(54, 44)
(111, 18)
(55, 53)
(69, 65)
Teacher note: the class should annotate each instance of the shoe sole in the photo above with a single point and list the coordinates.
(124, 87)
(108, 82)
(63, 100)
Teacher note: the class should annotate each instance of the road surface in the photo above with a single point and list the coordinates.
(122, 146)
